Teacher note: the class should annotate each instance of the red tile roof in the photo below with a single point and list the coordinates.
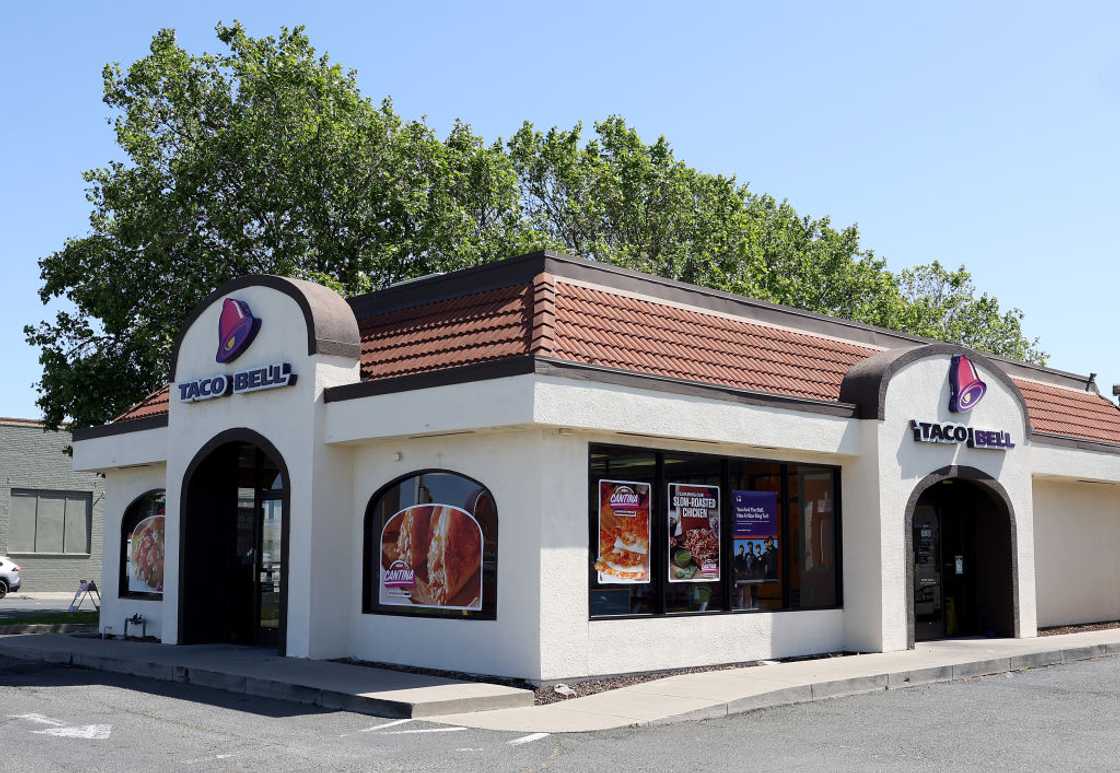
(461, 331)
(1073, 414)
(155, 404)
(592, 325)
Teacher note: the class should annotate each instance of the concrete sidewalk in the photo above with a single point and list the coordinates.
(720, 693)
(377, 691)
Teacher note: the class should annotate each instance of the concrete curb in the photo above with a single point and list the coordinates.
(863, 685)
(268, 688)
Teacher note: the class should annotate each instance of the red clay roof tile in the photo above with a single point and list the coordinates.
(593, 325)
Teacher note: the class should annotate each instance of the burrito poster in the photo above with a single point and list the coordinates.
(693, 533)
(431, 556)
(624, 526)
(145, 556)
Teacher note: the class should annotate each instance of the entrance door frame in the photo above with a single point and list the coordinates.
(240, 435)
(986, 482)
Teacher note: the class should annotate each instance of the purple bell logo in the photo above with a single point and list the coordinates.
(965, 386)
(237, 327)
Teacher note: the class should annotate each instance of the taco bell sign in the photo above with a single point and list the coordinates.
(237, 327)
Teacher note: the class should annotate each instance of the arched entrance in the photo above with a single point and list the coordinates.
(233, 567)
(961, 549)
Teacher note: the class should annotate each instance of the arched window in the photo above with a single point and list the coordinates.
(431, 548)
(142, 564)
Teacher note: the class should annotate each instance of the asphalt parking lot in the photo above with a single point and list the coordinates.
(60, 718)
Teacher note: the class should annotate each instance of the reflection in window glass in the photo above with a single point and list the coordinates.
(431, 548)
(813, 533)
(622, 507)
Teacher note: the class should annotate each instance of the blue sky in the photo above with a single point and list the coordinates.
(983, 134)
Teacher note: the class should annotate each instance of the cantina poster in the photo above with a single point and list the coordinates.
(693, 532)
(431, 556)
(624, 528)
(754, 550)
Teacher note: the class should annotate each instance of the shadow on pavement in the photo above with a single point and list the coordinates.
(19, 673)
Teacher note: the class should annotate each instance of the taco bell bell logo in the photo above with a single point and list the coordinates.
(965, 387)
(237, 327)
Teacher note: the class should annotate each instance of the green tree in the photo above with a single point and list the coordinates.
(264, 159)
(943, 304)
(267, 158)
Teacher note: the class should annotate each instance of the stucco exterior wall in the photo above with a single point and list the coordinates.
(123, 487)
(510, 464)
(920, 391)
(33, 459)
(1077, 556)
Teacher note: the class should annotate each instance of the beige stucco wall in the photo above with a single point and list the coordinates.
(122, 487)
(1077, 551)
(920, 391)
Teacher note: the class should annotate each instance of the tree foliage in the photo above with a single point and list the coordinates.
(267, 158)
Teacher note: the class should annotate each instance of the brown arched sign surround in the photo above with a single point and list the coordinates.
(999, 495)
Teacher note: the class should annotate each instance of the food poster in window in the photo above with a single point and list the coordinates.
(754, 548)
(693, 532)
(624, 529)
(146, 555)
(431, 557)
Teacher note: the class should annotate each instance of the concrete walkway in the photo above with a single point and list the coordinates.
(377, 691)
(720, 693)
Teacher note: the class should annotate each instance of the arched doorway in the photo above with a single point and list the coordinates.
(234, 543)
(961, 557)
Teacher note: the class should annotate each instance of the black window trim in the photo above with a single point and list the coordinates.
(23, 491)
(122, 570)
(657, 533)
(369, 604)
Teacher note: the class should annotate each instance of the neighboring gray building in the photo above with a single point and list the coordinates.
(50, 516)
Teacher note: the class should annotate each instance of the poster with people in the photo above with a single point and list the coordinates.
(624, 532)
(693, 532)
(431, 556)
(754, 547)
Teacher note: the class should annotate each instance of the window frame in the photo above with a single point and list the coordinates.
(370, 535)
(38, 493)
(122, 573)
(659, 532)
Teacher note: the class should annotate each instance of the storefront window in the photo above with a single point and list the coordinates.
(431, 548)
(142, 547)
(724, 534)
(756, 535)
(813, 532)
(693, 560)
(622, 501)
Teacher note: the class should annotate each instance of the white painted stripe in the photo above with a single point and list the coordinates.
(387, 724)
(427, 730)
(89, 732)
(37, 718)
(527, 739)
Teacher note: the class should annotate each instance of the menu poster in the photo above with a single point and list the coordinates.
(624, 529)
(145, 555)
(431, 556)
(754, 550)
(693, 532)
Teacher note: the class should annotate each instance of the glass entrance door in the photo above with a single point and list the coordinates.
(268, 570)
(929, 618)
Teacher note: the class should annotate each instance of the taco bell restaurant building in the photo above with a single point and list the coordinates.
(549, 468)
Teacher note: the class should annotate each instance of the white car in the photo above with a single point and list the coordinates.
(9, 576)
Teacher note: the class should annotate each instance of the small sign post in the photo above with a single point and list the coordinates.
(86, 589)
